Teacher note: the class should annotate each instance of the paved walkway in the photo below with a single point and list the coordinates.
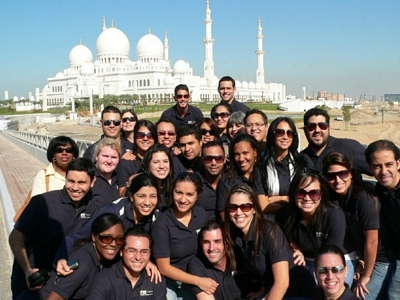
(17, 170)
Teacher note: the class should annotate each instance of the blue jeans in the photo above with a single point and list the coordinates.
(178, 290)
(377, 285)
(394, 281)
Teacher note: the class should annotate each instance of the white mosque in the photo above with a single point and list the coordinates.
(113, 72)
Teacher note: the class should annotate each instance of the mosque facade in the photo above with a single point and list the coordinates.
(150, 75)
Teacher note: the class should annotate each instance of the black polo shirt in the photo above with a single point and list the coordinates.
(237, 106)
(125, 145)
(192, 117)
(193, 165)
(351, 148)
(225, 184)
(178, 166)
(174, 240)
(227, 288)
(127, 168)
(104, 192)
(113, 284)
(347, 295)
(208, 196)
(79, 283)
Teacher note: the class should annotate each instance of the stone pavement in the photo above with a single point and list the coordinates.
(17, 170)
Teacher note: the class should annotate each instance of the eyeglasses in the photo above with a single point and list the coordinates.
(211, 132)
(163, 132)
(130, 119)
(315, 195)
(258, 125)
(133, 251)
(209, 158)
(140, 135)
(343, 174)
(61, 150)
(245, 207)
(313, 126)
(334, 270)
(108, 239)
(108, 122)
(281, 132)
(182, 96)
(223, 115)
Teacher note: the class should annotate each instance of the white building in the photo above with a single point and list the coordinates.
(113, 72)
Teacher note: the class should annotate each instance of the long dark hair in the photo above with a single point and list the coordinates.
(144, 123)
(143, 180)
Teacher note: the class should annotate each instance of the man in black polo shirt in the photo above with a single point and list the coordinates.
(190, 141)
(226, 90)
(216, 261)
(127, 279)
(320, 142)
(47, 219)
(182, 113)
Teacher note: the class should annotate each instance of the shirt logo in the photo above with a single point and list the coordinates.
(146, 293)
(191, 122)
(85, 216)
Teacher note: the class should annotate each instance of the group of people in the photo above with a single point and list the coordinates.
(219, 207)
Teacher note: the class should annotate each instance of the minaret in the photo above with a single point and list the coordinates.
(166, 47)
(208, 43)
(260, 54)
(104, 23)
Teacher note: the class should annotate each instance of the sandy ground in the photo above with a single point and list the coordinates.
(365, 126)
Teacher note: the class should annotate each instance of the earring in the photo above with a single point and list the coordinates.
(54, 160)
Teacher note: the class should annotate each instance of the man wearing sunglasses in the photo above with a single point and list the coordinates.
(226, 90)
(111, 125)
(182, 113)
(320, 142)
(47, 219)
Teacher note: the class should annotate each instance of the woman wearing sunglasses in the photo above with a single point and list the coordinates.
(129, 118)
(220, 113)
(92, 254)
(209, 130)
(331, 270)
(262, 248)
(144, 134)
(175, 238)
(310, 219)
(359, 202)
(280, 161)
(60, 152)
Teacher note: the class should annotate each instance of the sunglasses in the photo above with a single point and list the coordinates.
(108, 122)
(342, 175)
(107, 239)
(315, 195)
(209, 158)
(313, 126)
(246, 207)
(130, 119)
(163, 132)
(61, 150)
(182, 96)
(334, 270)
(140, 135)
(223, 115)
(281, 132)
(211, 132)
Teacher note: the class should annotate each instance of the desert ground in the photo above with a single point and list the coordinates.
(366, 126)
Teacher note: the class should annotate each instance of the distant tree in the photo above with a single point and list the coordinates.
(346, 116)
(391, 104)
(324, 107)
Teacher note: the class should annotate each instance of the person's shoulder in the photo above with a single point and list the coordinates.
(168, 112)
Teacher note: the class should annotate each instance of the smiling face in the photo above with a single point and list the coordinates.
(77, 185)
(317, 138)
(338, 184)
(245, 157)
(159, 165)
(108, 251)
(212, 245)
(215, 166)
(385, 168)
(184, 196)
(242, 220)
(332, 284)
(107, 160)
(64, 158)
(307, 205)
(283, 142)
(111, 130)
(182, 99)
(190, 146)
(226, 91)
(144, 201)
(235, 130)
(143, 143)
(135, 255)
(221, 120)
(166, 134)
(207, 137)
(127, 122)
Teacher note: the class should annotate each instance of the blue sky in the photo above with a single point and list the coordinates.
(343, 46)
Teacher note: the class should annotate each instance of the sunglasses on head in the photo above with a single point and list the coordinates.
(211, 132)
(334, 270)
(313, 126)
(209, 158)
(223, 115)
(245, 207)
(62, 149)
(108, 122)
(315, 195)
(343, 174)
(182, 96)
(163, 132)
(107, 239)
(142, 135)
(130, 119)
(281, 132)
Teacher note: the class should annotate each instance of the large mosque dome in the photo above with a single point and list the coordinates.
(149, 46)
(79, 55)
(112, 41)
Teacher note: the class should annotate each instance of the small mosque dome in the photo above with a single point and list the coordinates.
(181, 67)
(80, 54)
(149, 46)
(252, 85)
(245, 85)
(112, 41)
(238, 84)
(60, 75)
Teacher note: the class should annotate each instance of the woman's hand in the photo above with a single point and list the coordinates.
(153, 272)
(62, 268)
(128, 156)
(257, 294)
(207, 285)
(298, 258)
